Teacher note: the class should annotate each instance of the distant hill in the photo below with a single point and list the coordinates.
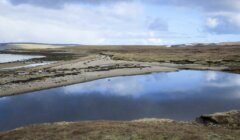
(230, 43)
(4, 46)
(208, 44)
(195, 45)
(34, 46)
(27, 45)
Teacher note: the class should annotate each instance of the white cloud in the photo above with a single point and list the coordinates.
(212, 22)
(155, 41)
(224, 23)
(228, 10)
(115, 22)
(84, 24)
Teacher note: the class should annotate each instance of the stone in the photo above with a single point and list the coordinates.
(229, 119)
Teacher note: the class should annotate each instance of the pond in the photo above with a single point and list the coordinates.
(5, 58)
(181, 95)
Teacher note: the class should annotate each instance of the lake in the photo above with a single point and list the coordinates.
(5, 58)
(182, 95)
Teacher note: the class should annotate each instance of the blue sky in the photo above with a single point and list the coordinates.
(145, 22)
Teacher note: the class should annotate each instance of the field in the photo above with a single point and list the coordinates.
(210, 56)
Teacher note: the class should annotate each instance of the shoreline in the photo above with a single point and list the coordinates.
(73, 83)
(99, 78)
(68, 80)
(86, 63)
(84, 70)
(223, 125)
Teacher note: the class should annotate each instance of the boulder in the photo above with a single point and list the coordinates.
(229, 119)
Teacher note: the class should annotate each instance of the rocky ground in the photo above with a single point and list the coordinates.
(220, 126)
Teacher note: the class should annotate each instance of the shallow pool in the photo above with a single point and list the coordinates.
(182, 95)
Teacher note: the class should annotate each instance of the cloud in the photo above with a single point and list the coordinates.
(227, 20)
(117, 21)
(104, 24)
(207, 5)
(61, 3)
(155, 41)
(223, 25)
(158, 25)
(212, 22)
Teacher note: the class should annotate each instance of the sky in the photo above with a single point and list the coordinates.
(120, 22)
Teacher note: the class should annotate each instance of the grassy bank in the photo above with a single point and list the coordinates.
(220, 126)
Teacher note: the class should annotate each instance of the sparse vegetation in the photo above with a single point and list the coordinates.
(211, 56)
(145, 129)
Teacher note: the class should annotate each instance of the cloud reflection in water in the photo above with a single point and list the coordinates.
(181, 95)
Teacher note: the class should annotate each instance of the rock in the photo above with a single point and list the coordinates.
(229, 119)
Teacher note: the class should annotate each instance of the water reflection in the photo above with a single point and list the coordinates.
(177, 95)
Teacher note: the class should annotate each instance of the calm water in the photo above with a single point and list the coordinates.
(4, 58)
(29, 65)
(180, 95)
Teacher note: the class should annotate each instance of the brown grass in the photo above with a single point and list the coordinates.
(208, 55)
(109, 130)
